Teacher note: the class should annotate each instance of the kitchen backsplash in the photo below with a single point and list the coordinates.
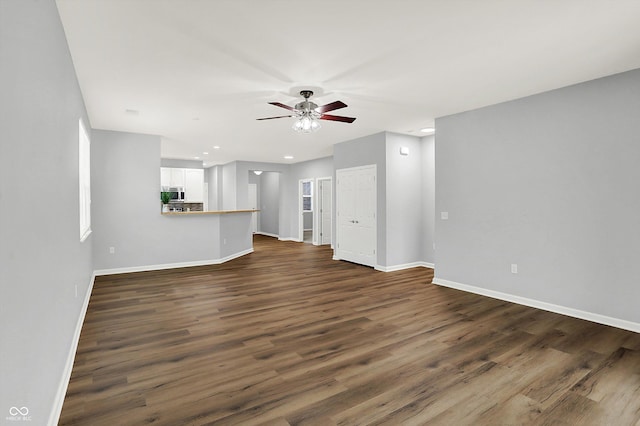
(194, 207)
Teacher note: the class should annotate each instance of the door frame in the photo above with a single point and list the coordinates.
(317, 240)
(301, 212)
(255, 219)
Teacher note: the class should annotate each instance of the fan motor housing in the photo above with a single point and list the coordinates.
(306, 106)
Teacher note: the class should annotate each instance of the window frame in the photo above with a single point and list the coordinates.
(307, 196)
(84, 180)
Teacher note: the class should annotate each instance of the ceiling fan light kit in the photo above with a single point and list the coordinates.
(306, 124)
(307, 113)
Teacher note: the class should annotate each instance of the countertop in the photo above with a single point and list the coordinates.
(208, 212)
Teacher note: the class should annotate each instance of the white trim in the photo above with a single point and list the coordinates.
(254, 215)
(564, 310)
(394, 268)
(58, 401)
(266, 234)
(301, 210)
(317, 218)
(84, 181)
(295, 240)
(171, 265)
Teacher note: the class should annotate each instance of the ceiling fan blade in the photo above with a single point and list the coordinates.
(271, 118)
(330, 107)
(337, 118)
(281, 105)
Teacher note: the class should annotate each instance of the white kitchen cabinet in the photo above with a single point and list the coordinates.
(165, 177)
(172, 177)
(194, 186)
(177, 178)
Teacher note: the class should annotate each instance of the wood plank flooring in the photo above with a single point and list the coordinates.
(287, 336)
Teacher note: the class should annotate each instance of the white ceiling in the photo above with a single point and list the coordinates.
(199, 72)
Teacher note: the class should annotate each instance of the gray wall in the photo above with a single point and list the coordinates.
(549, 182)
(41, 257)
(181, 164)
(126, 209)
(213, 176)
(428, 197)
(253, 178)
(269, 190)
(244, 170)
(307, 221)
(233, 184)
(405, 190)
(361, 152)
(229, 187)
(313, 169)
(405, 233)
(235, 233)
(241, 177)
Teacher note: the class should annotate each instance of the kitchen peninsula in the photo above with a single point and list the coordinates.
(223, 234)
(185, 239)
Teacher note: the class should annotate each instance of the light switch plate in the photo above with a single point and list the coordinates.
(444, 215)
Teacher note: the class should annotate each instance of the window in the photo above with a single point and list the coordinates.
(84, 173)
(307, 196)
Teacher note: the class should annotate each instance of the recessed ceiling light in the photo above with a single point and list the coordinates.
(205, 153)
(428, 130)
(216, 147)
(288, 157)
(197, 158)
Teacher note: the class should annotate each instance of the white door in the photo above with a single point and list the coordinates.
(356, 215)
(324, 206)
(253, 205)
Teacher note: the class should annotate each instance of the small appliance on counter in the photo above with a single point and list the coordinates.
(176, 206)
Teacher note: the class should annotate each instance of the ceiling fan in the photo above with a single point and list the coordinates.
(307, 113)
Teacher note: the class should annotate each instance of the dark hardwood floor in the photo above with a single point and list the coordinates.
(286, 335)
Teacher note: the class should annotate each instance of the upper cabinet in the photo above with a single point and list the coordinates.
(165, 177)
(173, 177)
(190, 180)
(194, 186)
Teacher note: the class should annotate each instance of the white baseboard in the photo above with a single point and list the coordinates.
(266, 234)
(576, 313)
(295, 240)
(145, 268)
(54, 416)
(394, 268)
